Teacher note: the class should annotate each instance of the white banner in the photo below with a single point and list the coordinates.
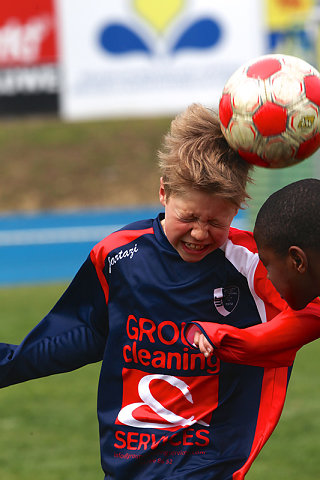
(152, 57)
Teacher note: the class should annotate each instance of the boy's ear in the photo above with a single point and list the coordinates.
(162, 193)
(298, 259)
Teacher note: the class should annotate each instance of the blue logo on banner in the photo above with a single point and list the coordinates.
(118, 38)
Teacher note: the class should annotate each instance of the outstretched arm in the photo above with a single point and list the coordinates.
(270, 344)
(73, 334)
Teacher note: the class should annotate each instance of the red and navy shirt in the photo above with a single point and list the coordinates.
(165, 411)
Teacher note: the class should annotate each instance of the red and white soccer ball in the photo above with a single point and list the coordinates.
(270, 111)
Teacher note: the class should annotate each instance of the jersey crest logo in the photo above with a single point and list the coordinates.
(166, 402)
(226, 299)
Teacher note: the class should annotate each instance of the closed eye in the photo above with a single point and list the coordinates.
(218, 225)
(188, 220)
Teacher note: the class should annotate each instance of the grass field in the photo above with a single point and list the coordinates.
(48, 164)
(49, 428)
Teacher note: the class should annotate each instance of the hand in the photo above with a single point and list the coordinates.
(203, 344)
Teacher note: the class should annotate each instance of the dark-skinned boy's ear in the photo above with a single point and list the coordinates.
(298, 258)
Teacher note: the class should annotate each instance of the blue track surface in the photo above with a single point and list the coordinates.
(51, 246)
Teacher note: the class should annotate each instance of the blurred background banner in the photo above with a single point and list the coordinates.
(152, 57)
(28, 57)
(293, 28)
(129, 58)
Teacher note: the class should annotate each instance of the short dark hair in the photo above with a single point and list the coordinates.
(290, 216)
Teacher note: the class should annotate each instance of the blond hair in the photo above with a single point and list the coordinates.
(195, 155)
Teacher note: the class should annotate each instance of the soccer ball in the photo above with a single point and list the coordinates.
(269, 111)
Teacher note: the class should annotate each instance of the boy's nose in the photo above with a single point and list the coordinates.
(199, 231)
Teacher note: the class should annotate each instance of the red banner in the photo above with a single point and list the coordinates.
(28, 33)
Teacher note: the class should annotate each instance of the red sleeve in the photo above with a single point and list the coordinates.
(270, 344)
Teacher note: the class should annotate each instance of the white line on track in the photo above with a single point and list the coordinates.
(45, 236)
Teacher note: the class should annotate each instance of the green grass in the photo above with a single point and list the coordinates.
(46, 163)
(294, 448)
(49, 429)
(267, 181)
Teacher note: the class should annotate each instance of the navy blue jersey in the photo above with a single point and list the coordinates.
(165, 411)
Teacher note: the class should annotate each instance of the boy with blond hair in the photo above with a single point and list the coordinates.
(164, 410)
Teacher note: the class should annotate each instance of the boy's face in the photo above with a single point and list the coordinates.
(293, 284)
(196, 223)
